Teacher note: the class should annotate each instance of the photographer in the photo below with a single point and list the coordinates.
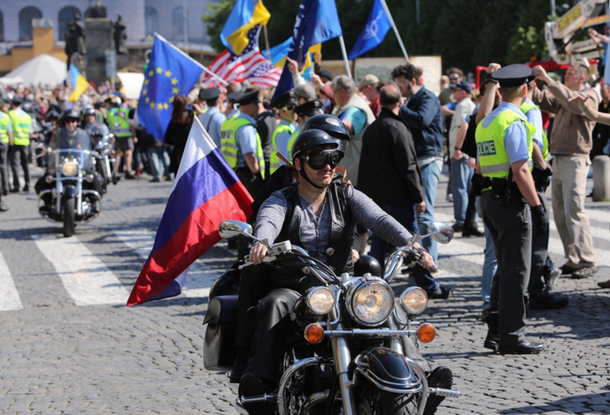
(178, 130)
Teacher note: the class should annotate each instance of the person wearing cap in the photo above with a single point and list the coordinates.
(461, 172)
(512, 209)
(231, 110)
(213, 118)
(356, 116)
(304, 93)
(570, 142)
(241, 145)
(285, 105)
(22, 128)
(368, 87)
(6, 140)
(92, 125)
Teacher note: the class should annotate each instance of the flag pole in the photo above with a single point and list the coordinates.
(344, 52)
(205, 69)
(267, 42)
(402, 46)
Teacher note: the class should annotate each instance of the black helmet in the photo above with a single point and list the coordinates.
(311, 138)
(73, 114)
(89, 110)
(328, 123)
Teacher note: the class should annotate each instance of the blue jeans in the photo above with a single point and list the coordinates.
(405, 215)
(490, 262)
(159, 162)
(430, 175)
(461, 177)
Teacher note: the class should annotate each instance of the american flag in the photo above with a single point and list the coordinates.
(251, 64)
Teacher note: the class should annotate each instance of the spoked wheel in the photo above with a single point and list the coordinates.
(68, 217)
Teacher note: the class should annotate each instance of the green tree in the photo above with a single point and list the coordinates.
(217, 15)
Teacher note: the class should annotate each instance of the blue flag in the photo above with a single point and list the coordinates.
(169, 73)
(317, 21)
(374, 32)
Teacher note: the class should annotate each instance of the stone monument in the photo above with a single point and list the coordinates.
(101, 41)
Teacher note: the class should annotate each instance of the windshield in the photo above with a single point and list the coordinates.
(80, 157)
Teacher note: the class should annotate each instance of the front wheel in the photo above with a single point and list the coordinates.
(376, 402)
(68, 216)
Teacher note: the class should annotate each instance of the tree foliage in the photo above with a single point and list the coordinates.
(466, 33)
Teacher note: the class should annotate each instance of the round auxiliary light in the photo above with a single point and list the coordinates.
(414, 300)
(320, 300)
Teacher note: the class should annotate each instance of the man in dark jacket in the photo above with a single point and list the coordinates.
(389, 174)
(422, 114)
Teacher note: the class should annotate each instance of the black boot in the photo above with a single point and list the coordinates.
(492, 341)
(441, 377)
(241, 361)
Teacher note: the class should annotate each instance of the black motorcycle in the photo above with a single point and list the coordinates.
(349, 353)
(105, 161)
(73, 197)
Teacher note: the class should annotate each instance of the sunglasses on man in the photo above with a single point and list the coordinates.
(289, 108)
(317, 159)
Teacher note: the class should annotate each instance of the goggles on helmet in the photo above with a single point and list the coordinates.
(317, 159)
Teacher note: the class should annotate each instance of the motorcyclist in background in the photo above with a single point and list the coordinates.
(92, 126)
(69, 135)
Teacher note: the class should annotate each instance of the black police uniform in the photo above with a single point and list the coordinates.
(509, 220)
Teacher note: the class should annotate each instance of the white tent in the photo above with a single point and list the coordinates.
(43, 69)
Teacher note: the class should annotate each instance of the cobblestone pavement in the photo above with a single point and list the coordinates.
(69, 347)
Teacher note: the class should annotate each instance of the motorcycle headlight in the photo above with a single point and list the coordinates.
(414, 300)
(320, 300)
(371, 302)
(69, 168)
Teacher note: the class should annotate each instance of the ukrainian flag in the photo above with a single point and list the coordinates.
(279, 53)
(79, 84)
(245, 15)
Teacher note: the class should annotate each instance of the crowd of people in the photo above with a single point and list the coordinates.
(504, 143)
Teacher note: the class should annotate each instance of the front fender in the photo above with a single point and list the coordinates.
(389, 371)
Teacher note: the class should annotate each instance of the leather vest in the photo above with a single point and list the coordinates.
(339, 251)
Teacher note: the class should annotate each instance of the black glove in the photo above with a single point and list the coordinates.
(542, 178)
(541, 221)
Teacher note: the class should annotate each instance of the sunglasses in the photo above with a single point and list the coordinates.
(454, 78)
(317, 159)
(289, 108)
(71, 120)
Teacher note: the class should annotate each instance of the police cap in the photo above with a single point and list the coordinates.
(287, 98)
(235, 96)
(209, 94)
(17, 101)
(514, 75)
(310, 108)
(248, 98)
(325, 73)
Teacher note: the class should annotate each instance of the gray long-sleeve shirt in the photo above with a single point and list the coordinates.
(315, 230)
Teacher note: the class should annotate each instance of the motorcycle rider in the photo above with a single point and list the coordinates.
(92, 125)
(69, 135)
(318, 213)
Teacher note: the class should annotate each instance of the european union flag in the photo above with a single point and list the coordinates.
(374, 32)
(317, 21)
(170, 72)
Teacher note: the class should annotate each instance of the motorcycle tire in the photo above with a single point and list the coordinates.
(396, 404)
(69, 217)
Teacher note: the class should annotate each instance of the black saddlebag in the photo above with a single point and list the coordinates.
(218, 344)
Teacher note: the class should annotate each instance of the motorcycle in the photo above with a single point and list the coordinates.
(73, 198)
(349, 354)
(105, 160)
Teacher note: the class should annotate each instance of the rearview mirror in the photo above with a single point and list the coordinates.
(232, 228)
(440, 232)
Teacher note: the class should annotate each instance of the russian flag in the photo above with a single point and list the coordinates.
(206, 192)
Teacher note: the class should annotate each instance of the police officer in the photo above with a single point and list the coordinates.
(213, 118)
(124, 133)
(22, 128)
(509, 202)
(6, 140)
(285, 105)
(241, 144)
